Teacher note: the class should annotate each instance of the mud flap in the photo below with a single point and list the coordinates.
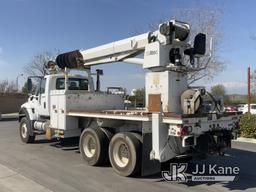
(148, 167)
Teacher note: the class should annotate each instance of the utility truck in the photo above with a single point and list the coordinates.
(134, 141)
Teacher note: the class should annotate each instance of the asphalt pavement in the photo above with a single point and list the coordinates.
(52, 166)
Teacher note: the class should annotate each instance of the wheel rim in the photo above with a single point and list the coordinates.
(121, 154)
(89, 146)
(24, 130)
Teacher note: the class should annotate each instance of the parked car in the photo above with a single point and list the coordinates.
(252, 108)
(230, 109)
(240, 107)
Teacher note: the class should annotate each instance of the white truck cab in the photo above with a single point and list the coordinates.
(39, 100)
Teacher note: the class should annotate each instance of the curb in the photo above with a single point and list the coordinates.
(247, 140)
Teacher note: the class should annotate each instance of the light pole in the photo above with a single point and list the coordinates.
(17, 82)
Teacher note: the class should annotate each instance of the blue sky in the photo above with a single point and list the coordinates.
(29, 27)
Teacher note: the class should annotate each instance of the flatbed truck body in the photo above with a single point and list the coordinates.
(172, 124)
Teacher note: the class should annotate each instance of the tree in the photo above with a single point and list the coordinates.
(11, 88)
(201, 20)
(25, 88)
(218, 90)
(138, 99)
(38, 65)
(7, 87)
(3, 85)
(139, 93)
(219, 93)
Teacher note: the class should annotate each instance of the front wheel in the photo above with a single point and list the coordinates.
(25, 128)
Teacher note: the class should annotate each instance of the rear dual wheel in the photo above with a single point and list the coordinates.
(97, 146)
(125, 153)
(94, 145)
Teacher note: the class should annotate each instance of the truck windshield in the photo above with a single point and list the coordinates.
(73, 84)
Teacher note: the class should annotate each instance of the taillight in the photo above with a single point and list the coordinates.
(183, 130)
(179, 130)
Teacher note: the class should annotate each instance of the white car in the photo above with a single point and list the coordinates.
(252, 108)
(240, 107)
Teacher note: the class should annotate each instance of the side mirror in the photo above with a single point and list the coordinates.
(29, 84)
(199, 44)
(98, 73)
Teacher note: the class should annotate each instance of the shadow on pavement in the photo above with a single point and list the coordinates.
(245, 160)
(42, 141)
(9, 119)
(67, 144)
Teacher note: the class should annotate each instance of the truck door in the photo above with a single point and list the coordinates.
(39, 98)
(43, 99)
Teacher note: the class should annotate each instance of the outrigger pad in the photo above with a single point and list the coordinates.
(70, 60)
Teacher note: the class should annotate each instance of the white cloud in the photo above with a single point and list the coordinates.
(232, 87)
(229, 84)
(234, 84)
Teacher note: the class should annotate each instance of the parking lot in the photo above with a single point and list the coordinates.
(50, 166)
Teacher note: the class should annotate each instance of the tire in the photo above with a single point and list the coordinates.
(93, 146)
(125, 153)
(107, 133)
(25, 129)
